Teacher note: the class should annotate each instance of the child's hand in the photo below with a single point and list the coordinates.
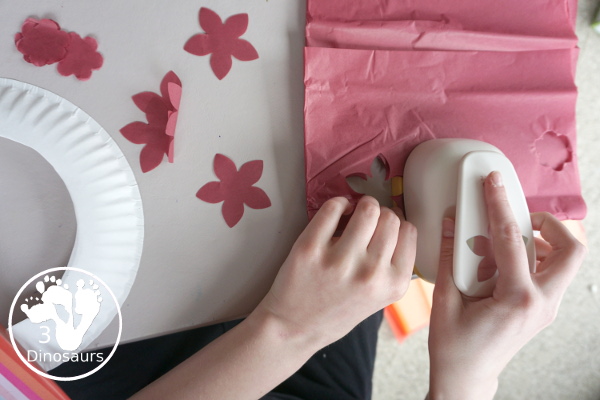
(324, 288)
(328, 285)
(471, 339)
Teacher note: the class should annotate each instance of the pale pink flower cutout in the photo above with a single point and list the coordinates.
(235, 188)
(159, 133)
(222, 41)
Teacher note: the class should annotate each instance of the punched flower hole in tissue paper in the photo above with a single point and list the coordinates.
(36, 206)
(553, 150)
(376, 185)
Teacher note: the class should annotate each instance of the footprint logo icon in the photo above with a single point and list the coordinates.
(55, 296)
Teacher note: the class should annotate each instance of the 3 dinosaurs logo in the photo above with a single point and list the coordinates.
(65, 312)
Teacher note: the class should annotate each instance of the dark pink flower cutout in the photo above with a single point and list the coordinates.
(42, 42)
(222, 41)
(161, 112)
(82, 58)
(235, 188)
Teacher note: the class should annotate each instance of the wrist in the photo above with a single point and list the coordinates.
(284, 332)
(452, 387)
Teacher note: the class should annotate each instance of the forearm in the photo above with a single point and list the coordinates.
(244, 363)
(328, 285)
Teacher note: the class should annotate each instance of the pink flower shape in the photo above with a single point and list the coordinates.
(235, 188)
(81, 58)
(42, 42)
(222, 40)
(161, 112)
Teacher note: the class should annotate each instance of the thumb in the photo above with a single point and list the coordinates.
(446, 251)
(444, 283)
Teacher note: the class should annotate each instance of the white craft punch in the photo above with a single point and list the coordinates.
(443, 178)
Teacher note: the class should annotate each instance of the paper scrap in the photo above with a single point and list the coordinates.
(43, 42)
(222, 41)
(161, 113)
(235, 188)
(81, 59)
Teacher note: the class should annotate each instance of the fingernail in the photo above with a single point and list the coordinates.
(496, 179)
(448, 228)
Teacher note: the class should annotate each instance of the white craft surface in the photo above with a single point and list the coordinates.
(195, 270)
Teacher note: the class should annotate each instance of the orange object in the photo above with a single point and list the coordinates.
(576, 228)
(412, 312)
(16, 380)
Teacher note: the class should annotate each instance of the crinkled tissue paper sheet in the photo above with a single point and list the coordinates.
(383, 76)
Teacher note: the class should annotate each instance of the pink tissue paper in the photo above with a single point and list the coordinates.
(384, 76)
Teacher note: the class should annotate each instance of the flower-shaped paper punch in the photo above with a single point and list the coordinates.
(221, 41)
(159, 133)
(235, 188)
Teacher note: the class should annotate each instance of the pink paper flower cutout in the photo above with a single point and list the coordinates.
(42, 42)
(235, 188)
(222, 41)
(159, 133)
(81, 59)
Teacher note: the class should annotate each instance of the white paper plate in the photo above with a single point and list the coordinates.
(105, 195)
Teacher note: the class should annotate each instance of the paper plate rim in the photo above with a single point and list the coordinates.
(100, 181)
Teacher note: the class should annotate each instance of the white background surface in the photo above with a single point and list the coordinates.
(141, 41)
(194, 270)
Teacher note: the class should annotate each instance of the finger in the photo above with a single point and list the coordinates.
(324, 224)
(509, 249)
(560, 266)
(362, 224)
(445, 290)
(384, 239)
(399, 213)
(552, 230)
(405, 251)
(542, 248)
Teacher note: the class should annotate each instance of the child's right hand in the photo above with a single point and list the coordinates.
(472, 339)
